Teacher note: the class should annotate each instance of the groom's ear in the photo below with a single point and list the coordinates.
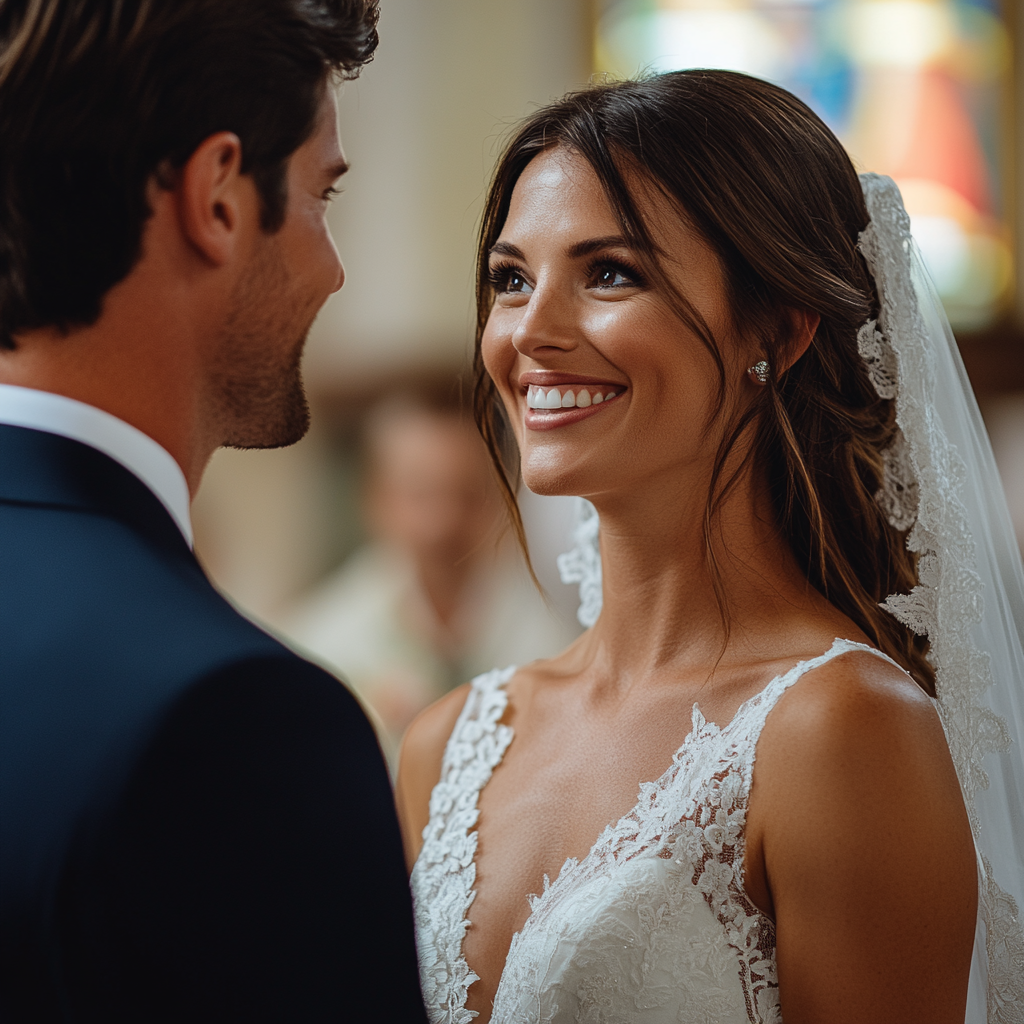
(217, 204)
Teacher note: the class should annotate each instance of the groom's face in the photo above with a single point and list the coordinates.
(256, 377)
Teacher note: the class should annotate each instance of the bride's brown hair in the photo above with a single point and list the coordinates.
(774, 193)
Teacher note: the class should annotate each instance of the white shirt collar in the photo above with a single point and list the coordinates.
(136, 451)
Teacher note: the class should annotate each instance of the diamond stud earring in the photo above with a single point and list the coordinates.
(759, 372)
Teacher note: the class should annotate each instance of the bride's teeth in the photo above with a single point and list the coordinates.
(538, 398)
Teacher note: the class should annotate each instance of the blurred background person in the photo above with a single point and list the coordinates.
(437, 594)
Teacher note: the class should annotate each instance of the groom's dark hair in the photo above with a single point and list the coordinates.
(100, 97)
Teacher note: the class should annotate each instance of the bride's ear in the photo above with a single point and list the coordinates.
(801, 325)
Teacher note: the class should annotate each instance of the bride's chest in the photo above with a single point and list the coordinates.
(564, 779)
(653, 911)
(536, 812)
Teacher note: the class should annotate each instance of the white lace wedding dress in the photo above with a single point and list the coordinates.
(652, 926)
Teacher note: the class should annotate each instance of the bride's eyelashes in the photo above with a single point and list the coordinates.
(508, 278)
(604, 274)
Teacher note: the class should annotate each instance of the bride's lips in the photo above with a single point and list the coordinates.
(558, 400)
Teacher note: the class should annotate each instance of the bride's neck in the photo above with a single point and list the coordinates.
(666, 578)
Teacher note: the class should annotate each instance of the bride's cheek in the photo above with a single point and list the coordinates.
(499, 355)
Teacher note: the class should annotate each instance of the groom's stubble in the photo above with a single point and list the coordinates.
(256, 378)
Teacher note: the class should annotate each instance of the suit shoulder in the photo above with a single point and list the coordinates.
(277, 702)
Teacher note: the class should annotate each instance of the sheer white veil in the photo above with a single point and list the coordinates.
(941, 482)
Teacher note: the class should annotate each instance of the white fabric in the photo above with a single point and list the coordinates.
(652, 926)
(136, 451)
(941, 480)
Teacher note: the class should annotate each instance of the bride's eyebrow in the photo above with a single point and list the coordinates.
(506, 249)
(574, 252)
(592, 245)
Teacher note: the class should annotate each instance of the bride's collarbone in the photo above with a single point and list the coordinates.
(573, 770)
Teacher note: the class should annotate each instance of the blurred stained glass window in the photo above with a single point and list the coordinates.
(917, 89)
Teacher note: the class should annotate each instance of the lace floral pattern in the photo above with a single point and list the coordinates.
(444, 873)
(948, 600)
(652, 925)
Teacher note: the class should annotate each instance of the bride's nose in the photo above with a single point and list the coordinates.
(548, 323)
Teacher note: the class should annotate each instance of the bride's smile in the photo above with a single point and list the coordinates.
(556, 400)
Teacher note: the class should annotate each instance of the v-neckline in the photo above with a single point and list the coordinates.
(536, 900)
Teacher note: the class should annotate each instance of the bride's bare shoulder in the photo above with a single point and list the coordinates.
(858, 843)
(419, 765)
(427, 735)
(856, 694)
(855, 741)
(857, 714)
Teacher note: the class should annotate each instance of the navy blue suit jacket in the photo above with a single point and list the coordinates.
(195, 824)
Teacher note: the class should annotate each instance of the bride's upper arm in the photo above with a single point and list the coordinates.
(419, 767)
(857, 826)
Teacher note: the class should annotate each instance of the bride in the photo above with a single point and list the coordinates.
(689, 315)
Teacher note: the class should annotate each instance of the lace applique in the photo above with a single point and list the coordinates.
(444, 873)
(899, 495)
(948, 601)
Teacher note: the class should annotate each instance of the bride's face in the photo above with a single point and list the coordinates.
(575, 326)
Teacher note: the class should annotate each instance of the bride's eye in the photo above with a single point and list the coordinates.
(614, 275)
(509, 279)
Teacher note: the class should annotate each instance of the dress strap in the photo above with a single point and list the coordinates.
(477, 742)
(445, 871)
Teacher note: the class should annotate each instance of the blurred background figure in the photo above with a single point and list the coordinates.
(437, 595)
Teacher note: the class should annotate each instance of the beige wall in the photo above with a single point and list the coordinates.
(421, 128)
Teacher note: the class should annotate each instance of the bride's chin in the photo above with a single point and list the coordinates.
(552, 480)
(547, 489)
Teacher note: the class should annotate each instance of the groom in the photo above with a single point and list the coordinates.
(195, 824)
